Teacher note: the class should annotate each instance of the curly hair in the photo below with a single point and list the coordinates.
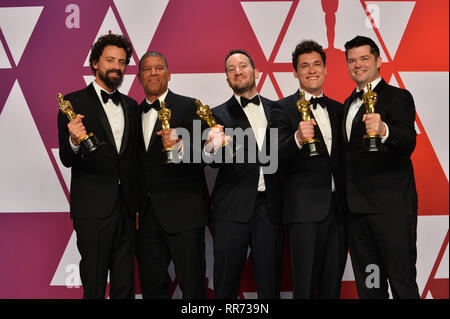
(109, 39)
(307, 46)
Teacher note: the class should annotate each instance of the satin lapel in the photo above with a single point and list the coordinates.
(239, 118)
(357, 123)
(102, 116)
(126, 129)
(344, 119)
(170, 100)
(238, 114)
(332, 114)
(267, 110)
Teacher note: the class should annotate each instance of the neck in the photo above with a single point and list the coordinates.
(248, 94)
(153, 97)
(314, 93)
(103, 85)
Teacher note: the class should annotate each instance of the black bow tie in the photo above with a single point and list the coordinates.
(115, 97)
(155, 105)
(245, 101)
(356, 95)
(317, 100)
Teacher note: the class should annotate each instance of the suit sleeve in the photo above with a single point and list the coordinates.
(66, 154)
(287, 147)
(400, 120)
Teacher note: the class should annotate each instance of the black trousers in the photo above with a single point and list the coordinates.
(382, 249)
(231, 242)
(107, 244)
(318, 255)
(155, 248)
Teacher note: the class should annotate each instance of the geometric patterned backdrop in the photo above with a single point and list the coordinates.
(44, 49)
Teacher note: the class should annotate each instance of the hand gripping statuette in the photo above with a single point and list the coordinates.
(311, 146)
(371, 141)
(164, 115)
(89, 142)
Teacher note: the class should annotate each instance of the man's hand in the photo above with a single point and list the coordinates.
(305, 130)
(76, 129)
(374, 124)
(216, 138)
(168, 137)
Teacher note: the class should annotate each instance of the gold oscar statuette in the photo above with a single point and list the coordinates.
(311, 146)
(204, 113)
(164, 115)
(371, 141)
(89, 142)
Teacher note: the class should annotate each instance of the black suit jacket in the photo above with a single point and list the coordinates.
(237, 183)
(380, 182)
(177, 191)
(307, 181)
(95, 179)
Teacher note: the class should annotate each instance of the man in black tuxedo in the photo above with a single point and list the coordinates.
(176, 196)
(244, 213)
(313, 187)
(103, 190)
(381, 190)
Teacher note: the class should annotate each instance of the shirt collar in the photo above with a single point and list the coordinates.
(238, 98)
(161, 98)
(308, 96)
(374, 83)
(98, 89)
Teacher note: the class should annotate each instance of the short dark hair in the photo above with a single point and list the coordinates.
(152, 53)
(359, 41)
(307, 46)
(234, 51)
(117, 40)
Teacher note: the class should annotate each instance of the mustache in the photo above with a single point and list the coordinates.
(115, 71)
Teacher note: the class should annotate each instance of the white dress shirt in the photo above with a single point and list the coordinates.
(115, 116)
(258, 121)
(354, 108)
(323, 120)
(149, 120)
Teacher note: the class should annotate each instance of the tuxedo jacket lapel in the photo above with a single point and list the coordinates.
(170, 104)
(126, 129)
(102, 116)
(334, 122)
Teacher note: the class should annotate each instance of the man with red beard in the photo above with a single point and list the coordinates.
(244, 212)
(103, 190)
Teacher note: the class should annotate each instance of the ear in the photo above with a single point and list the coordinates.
(169, 75)
(256, 74)
(325, 70)
(95, 65)
(379, 62)
(295, 74)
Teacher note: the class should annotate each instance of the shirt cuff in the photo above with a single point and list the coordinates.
(300, 146)
(384, 138)
(76, 148)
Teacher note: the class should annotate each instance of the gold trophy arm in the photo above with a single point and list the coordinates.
(303, 107)
(164, 116)
(66, 107)
(204, 112)
(370, 99)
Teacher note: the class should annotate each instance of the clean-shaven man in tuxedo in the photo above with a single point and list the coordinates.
(381, 190)
(244, 214)
(313, 187)
(176, 197)
(104, 184)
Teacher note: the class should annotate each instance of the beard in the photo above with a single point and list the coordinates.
(111, 82)
(243, 87)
